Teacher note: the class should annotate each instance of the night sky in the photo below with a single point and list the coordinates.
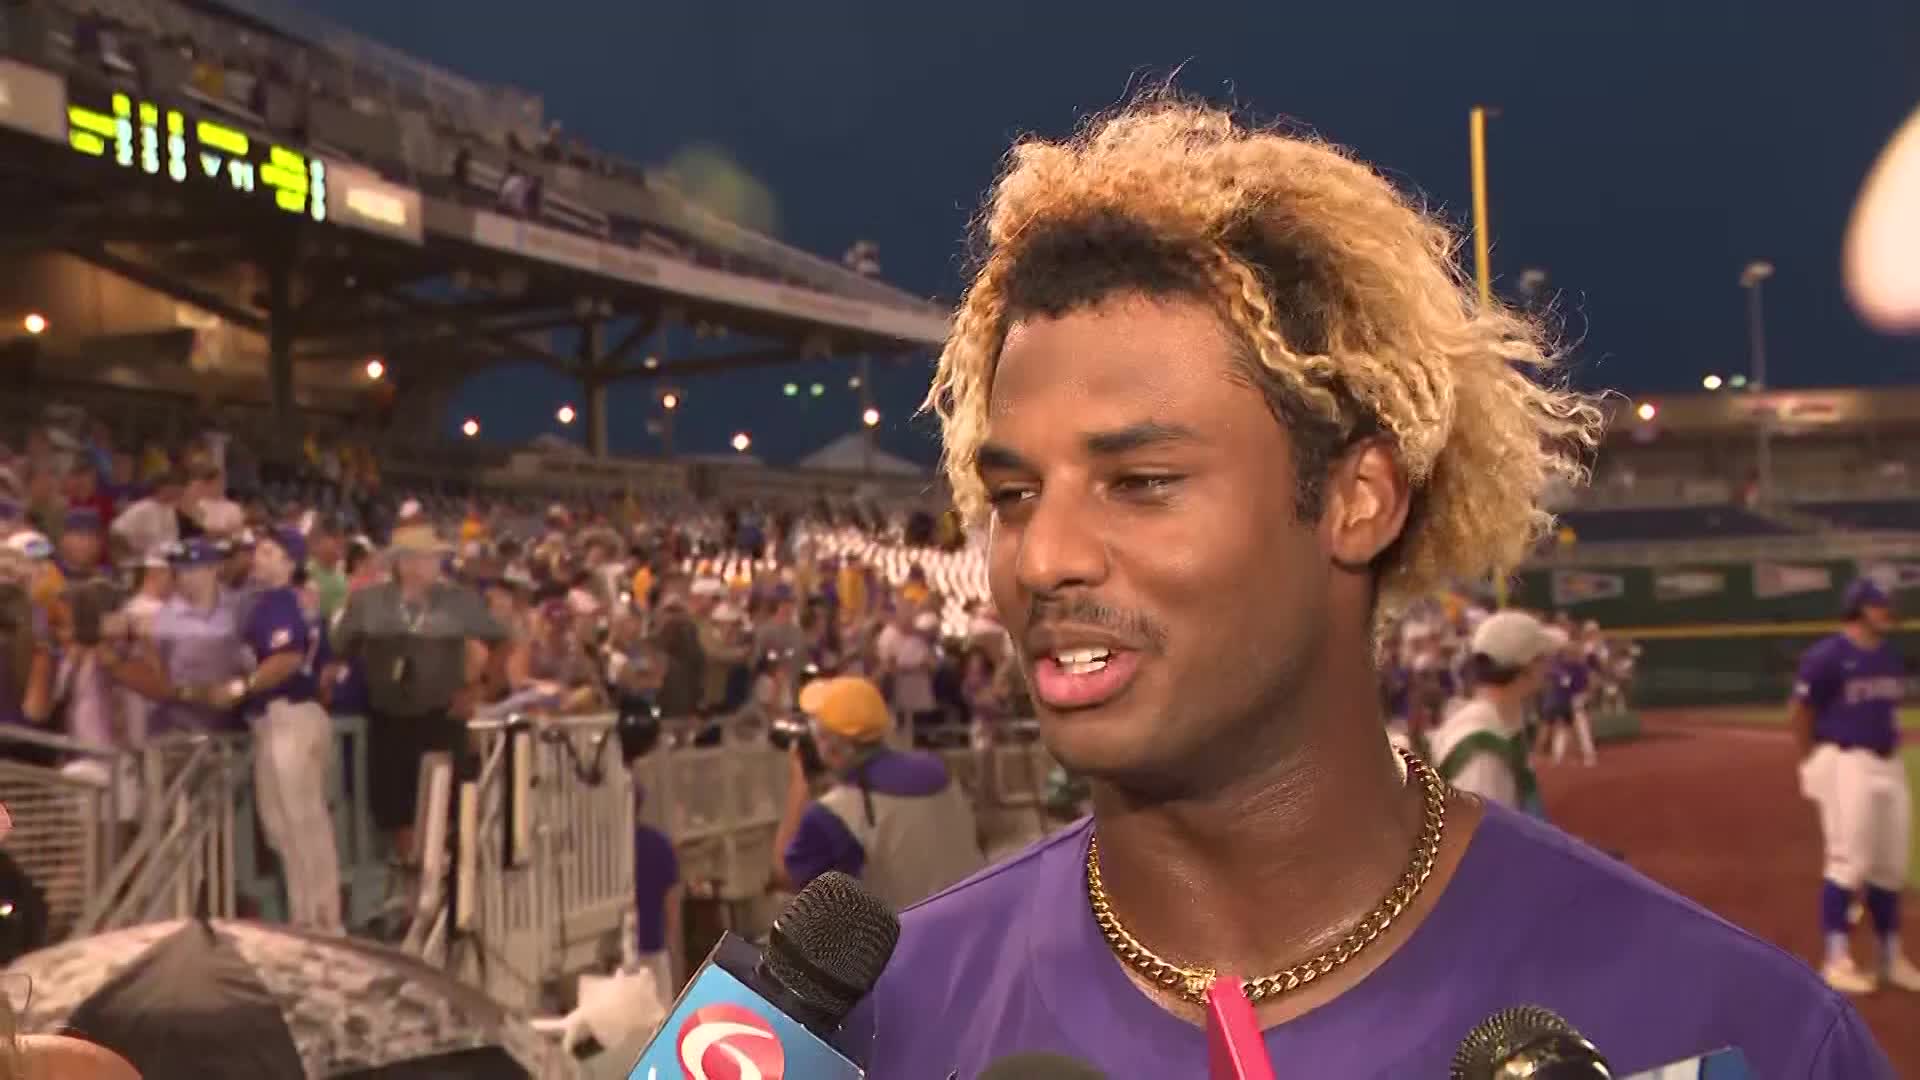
(1645, 151)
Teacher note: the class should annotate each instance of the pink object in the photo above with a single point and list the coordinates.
(1235, 1050)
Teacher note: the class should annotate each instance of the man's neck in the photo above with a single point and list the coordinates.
(1504, 701)
(1270, 869)
(1861, 635)
(415, 592)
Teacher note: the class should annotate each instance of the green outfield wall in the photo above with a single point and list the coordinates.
(1716, 633)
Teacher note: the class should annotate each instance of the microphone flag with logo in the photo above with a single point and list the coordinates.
(753, 1014)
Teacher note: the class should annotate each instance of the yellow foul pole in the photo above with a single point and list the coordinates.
(1482, 256)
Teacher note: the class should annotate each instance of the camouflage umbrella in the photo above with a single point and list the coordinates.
(216, 999)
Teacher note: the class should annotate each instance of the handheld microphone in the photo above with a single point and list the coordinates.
(1534, 1042)
(1041, 1066)
(1528, 1041)
(1235, 1050)
(754, 1015)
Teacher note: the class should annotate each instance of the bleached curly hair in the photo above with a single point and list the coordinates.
(1348, 302)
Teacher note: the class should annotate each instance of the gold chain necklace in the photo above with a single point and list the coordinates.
(1191, 983)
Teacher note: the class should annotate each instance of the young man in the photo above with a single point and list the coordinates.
(1227, 402)
(292, 735)
(1844, 701)
(1481, 746)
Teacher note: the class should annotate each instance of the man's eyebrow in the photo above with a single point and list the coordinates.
(997, 456)
(1140, 436)
(1110, 443)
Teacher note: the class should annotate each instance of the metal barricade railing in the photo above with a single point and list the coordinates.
(181, 861)
(66, 817)
(540, 857)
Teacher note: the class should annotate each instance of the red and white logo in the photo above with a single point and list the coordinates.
(728, 1042)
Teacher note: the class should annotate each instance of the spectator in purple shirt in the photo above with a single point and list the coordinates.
(1227, 401)
(1844, 701)
(658, 894)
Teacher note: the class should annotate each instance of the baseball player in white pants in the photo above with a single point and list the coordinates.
(1844, 700)
(292, 735)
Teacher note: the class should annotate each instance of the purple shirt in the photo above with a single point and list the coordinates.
(822, 841)
(1566, 681)
(656, 869)
(198, 647)
(1854, 693)
(277, 624)
(1010, 960)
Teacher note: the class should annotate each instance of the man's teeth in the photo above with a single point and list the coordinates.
(1081, 661)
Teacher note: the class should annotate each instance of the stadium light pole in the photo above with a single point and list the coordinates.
(1482, 249)
(863, 258)
(1751, 279)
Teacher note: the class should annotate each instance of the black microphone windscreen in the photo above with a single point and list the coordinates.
(831, 943)
(1040, 1066)
(1540, 1037)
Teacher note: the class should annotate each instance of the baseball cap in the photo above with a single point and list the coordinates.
(199, 551)
(290, 540)
(1514, 639)
(28, 544)
(848, 706)
(1864, 593)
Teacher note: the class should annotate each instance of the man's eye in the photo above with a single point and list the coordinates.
(1147, 485)
(1002, 497)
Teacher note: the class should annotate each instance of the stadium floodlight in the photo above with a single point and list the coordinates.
(1711, 382)
(853, 383)
(741, 442)
(650, 363)
(565, 415)
(35, 323)
(1755, 272)
(1737, 381)
(817, 389)
(792, 389)
(669, 401)
(376, 370)
(1646, 411)
(871, 417)
(470, 428)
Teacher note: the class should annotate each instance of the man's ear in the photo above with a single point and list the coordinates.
(1368, 499)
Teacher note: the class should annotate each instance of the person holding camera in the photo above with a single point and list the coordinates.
(894, 819)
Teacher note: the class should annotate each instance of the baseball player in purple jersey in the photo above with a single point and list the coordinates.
(1844, 699)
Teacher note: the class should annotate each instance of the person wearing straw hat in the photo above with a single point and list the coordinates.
(415, 637)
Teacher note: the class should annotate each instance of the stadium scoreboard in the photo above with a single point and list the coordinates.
(160, 140)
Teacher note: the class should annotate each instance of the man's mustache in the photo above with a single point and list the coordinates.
(1089, 612)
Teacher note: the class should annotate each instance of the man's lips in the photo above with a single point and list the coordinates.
(1083, 678)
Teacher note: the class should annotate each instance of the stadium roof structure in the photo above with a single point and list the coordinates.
(328, 200)
(1790, 411)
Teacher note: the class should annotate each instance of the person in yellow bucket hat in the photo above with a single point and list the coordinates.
(895, 819)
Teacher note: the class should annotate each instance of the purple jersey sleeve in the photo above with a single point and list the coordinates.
(822, 843)
(276, 625)
(1817, 682)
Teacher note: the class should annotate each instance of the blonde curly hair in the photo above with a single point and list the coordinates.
(1352, 314)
